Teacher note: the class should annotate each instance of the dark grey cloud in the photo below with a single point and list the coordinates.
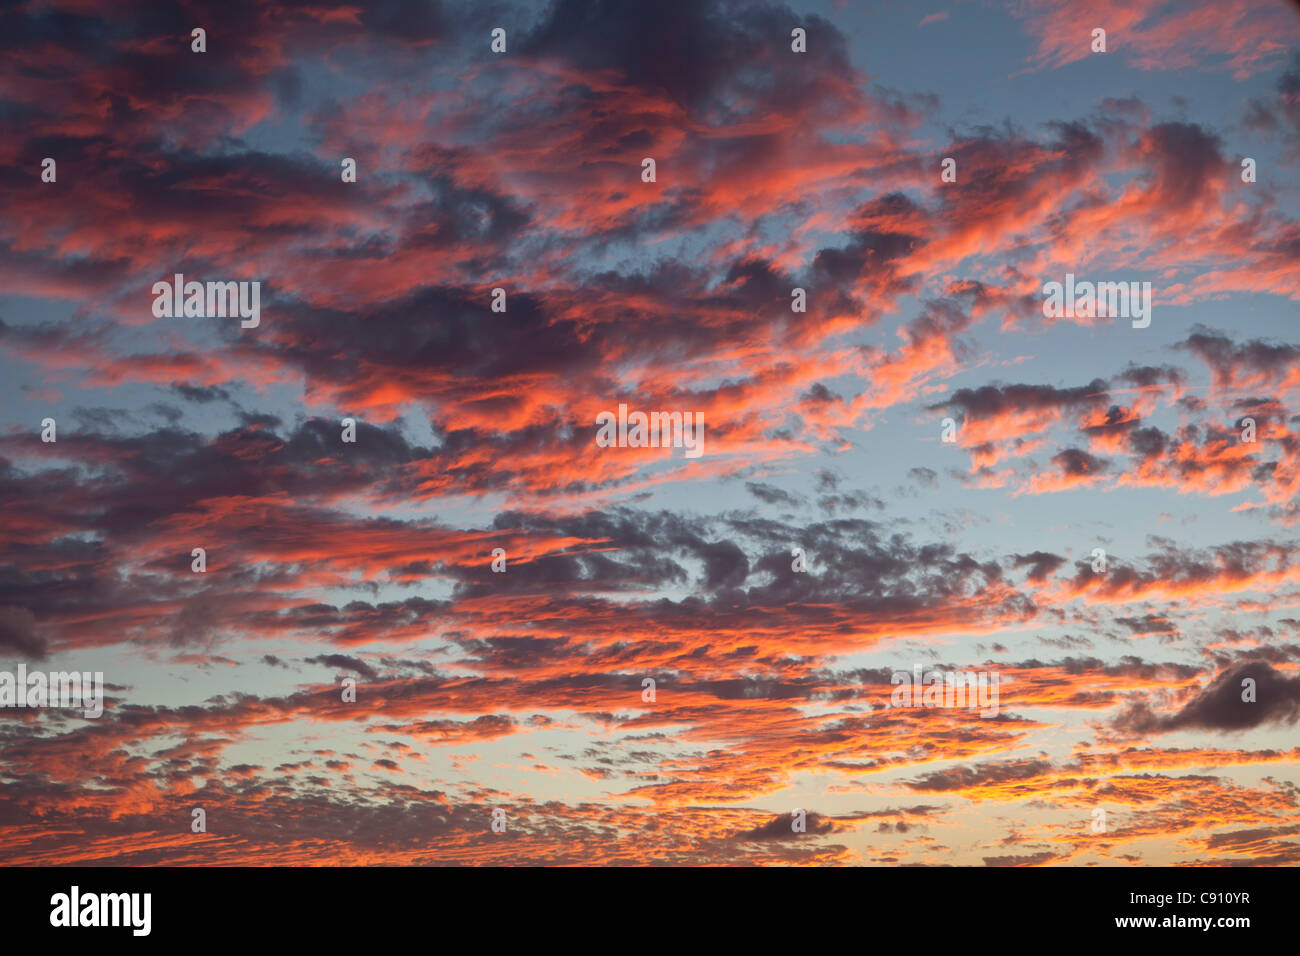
(19, 633)
(344, 662)
(1219, 707)
(780, 828)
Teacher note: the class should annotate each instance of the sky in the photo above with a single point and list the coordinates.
(476, 613)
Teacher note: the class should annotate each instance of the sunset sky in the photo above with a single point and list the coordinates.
(476, 430)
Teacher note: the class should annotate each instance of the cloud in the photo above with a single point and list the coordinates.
(780, 827)
(344, 662)
(19, 634)
(1220, 706)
